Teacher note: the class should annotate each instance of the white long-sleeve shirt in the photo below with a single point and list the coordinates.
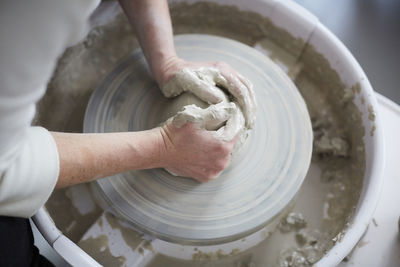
(33, 34)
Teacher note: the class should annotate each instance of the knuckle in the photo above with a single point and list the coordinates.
(206, 178)
(215, 174)
(209, 175)
(226, 162)
(219, 165)
(219, 147)
(201, 178)
(226, 149)
(222, 163)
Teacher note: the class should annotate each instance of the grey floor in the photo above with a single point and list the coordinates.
(371, 31)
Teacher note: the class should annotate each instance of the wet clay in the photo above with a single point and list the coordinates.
(228, 118)
(334, 179)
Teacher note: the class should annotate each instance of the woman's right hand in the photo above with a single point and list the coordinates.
(193, 152)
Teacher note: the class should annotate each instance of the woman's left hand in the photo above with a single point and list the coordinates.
(205, 80)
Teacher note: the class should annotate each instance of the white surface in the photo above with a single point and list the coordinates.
(55, 246)
(72, 253)
(380, 246)
(44, 247)
(46, 226)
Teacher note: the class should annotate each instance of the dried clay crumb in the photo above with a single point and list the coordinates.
(308, 237)
(338, 237)
(308, 252)
(219, 254)
(327, 143)
(293, 221)
(325, 146)
(299, 257)
(329, 175)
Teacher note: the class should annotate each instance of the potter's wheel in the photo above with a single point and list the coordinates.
(260, 182)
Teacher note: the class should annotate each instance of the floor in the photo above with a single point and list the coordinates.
(371, 31)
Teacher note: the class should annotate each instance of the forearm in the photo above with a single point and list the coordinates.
(85, 157)
(152, 23)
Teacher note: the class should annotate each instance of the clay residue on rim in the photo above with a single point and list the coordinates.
(131, 237)
(340, 118)
(228, 21)
(68, 218)
(99, 249)
(336, 119)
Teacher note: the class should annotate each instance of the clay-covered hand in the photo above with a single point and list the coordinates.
(205, 80)
(194, 152)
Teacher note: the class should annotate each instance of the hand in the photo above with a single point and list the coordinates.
(204, 79)
(194, 152)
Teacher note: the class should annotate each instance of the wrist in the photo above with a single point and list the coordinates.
(161, 147)
(167, 69)
(146, 150)
(167, 155)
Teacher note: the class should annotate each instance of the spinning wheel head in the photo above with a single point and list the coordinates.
(256, 187)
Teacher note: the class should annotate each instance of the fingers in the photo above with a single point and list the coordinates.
(249, 86)
(203, 82)
(203, 173)
(218, 165)
(241, 89)
(219, 114)
(195, 82)
(233, 126)
(242, 95)
(202, 85)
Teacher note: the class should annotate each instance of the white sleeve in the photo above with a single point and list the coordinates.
(33, 35)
